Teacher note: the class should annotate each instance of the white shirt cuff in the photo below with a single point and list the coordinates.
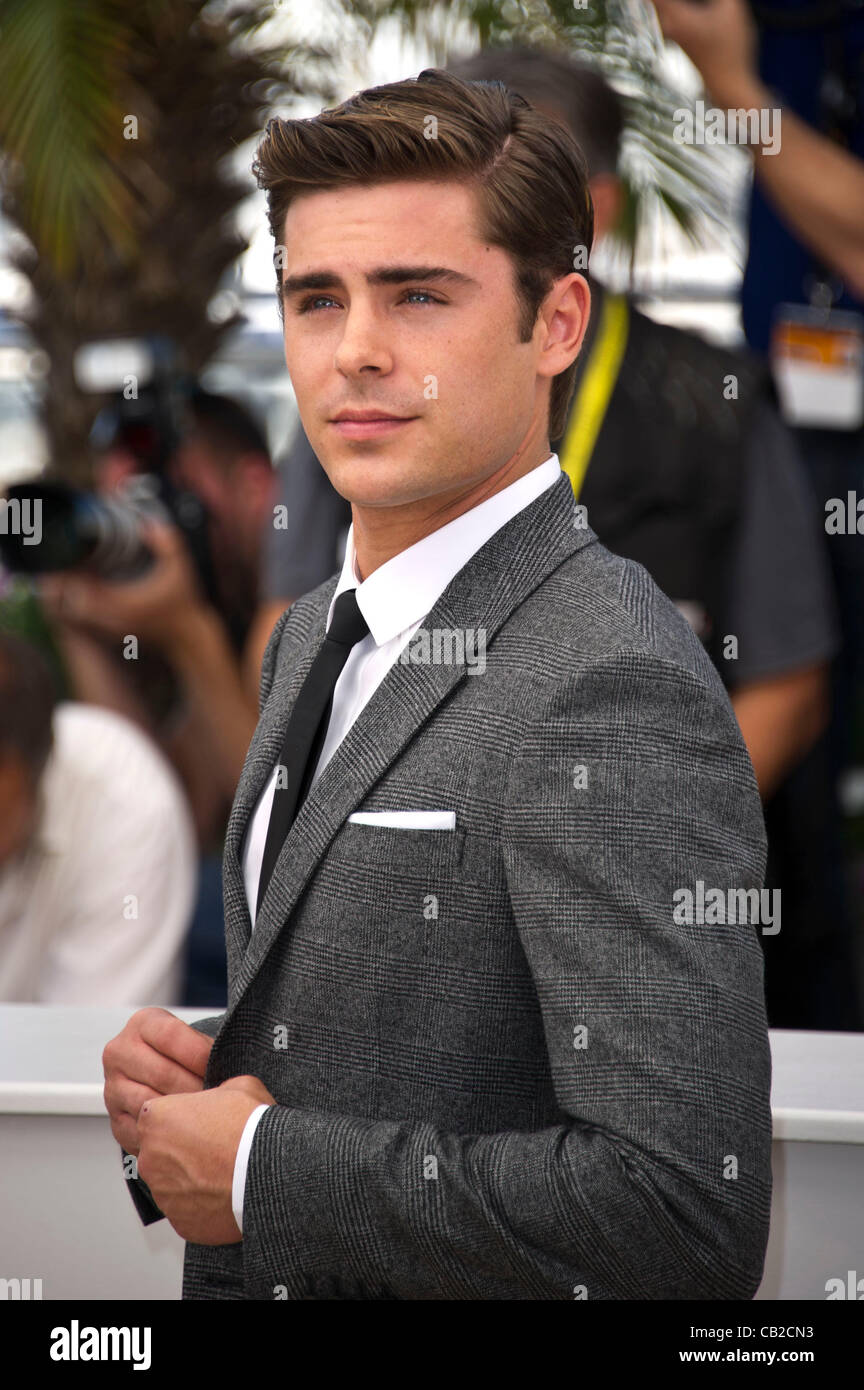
(238, 1185)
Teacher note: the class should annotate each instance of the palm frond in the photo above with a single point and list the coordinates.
(691, 186)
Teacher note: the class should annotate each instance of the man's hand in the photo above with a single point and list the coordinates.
(188, 1145)
(720, 39)
(158, 607)
(155, 1055)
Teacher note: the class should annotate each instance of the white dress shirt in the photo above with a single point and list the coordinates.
(394, 600)
(96, 908)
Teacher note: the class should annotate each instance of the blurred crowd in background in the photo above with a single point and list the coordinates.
(131, 634)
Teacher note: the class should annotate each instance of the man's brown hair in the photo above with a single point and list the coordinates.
(531, 177)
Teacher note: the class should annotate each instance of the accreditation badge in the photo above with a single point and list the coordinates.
(817, 361)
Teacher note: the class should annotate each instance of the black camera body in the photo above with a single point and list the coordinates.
(69, 529)
(101, 533)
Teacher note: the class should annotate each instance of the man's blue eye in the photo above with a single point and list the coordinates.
(307, 304)
(311, 304)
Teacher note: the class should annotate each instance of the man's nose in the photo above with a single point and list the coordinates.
(363, 345)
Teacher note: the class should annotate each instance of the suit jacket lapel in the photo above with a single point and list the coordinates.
(260, 761)
(483, 594)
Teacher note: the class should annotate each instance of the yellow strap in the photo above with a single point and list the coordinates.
(595, 389)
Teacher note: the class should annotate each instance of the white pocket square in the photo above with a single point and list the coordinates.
(407, 820)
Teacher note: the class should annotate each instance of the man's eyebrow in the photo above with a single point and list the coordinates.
(382, 275)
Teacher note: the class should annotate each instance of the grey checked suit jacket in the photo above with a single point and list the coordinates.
(503, 1069)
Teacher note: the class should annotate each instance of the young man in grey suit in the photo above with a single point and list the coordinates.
(479, 1042)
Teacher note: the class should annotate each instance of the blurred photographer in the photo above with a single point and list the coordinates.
(189, 623)
(207, 720)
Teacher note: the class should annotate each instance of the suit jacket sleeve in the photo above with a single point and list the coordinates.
(141, 1195)
(656, 1182)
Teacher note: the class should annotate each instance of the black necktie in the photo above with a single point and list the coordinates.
(307, 727)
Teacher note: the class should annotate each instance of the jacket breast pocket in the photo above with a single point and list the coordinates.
(393, 849)
(401, 880)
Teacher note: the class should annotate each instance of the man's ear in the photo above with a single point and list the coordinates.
(562, 324)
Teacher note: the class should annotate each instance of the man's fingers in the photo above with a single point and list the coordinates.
(151, 1068)
(130, 1058)
(123, 1096)
(173, 1038)
(124, 1127)
(159, 1051)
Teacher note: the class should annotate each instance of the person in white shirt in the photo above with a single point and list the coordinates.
(97, 850)
(423, 1129)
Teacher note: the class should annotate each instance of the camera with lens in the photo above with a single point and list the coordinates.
(73, 529)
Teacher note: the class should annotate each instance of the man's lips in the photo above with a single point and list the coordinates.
(367, 424)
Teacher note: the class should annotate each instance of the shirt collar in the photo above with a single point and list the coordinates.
(404, 589)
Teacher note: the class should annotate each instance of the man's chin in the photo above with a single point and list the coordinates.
(383, 479)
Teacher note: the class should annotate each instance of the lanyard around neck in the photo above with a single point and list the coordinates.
(595, 389)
